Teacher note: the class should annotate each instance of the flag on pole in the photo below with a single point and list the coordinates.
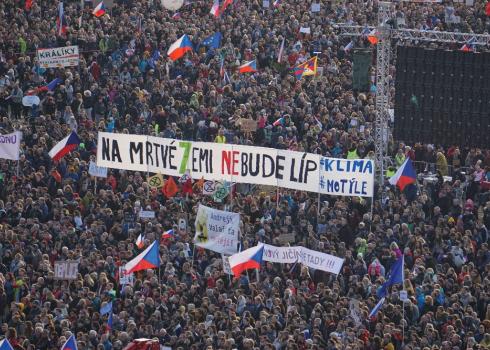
(349, 46)
(215, 9)
(179, 48)
(248, 67)
(281, 51)
(51, 86)
(278, 122)
(106, 308)
(310, 66)
(5, 345)
(176, 16)
(469, 46)
(168, 234)
(226, 3)
(147, 259)
(70, 344)
(170, 189)
(212, 41)
(246, 260)
(61, 21)
(405, 175)
(140, 241)
(65, 146)
(99, 10)
(109, 323)
(372, 37)
(397, 276)
(277, 3)
(377, 307)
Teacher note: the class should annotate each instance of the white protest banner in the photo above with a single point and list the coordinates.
(217, 230)
(125, 279)
(66, 56)
(210, 161)
(147, 214)
(236, 164)
(347, 177)
(315, 7)
(265, 4)
(305, 30)
(311, 258)
(98, 171)
(10, 145)
(226, 265)
(30, 100)
(66, 270)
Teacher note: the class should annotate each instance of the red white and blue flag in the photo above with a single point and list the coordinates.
(281, 51)
(5, 345)
(109, 323)
(147, 259)
(140, 241)
(249, 67)
(405, 175)
(247, 260)
(278, 122)
(61, 21)
(277, 3)
(99, 10)
(51, 86)
(70, 344)
(215, 9)
(226, 3)
(179, 48)
(168, 234)
(469, 46)
(176, 15)
(65, 146)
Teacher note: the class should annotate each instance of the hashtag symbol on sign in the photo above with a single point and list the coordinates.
(322, 182)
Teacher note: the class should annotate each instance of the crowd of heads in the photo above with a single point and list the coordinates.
(52, 211)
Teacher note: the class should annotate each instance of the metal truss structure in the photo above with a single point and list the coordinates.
(386, 34)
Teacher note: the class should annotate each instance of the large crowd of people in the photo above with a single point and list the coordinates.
(52, 211)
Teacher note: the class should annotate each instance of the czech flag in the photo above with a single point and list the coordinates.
(51, 86)
(5, 345)
(70, 344)
(61, 21)
(168, 234)
(278, 122)
(349, 46)
(405, 175)
(65, 146)
(246, 260)
(276, 3)
(215, 9)
(179, 48)
(176, 16)
(469, 46)
(249, 67)
(226, 3)
(372, 38)
(147, 259)
(109, 323)
(99, 10)
(140, 241)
